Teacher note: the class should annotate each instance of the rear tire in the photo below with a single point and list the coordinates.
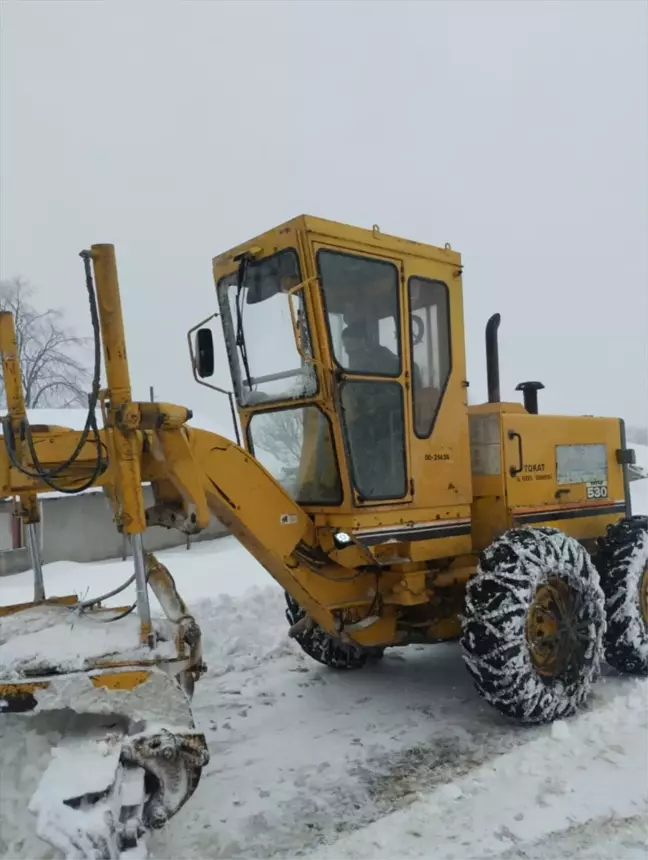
(622, 562)
(323, 647)
(533, 624)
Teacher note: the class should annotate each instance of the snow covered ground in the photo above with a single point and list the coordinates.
(401, 759)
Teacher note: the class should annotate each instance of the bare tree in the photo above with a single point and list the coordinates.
(50, 353)
(281, 434)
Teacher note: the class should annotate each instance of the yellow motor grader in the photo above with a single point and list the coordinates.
(389, 510)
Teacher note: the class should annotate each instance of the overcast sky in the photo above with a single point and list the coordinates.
(516, 131)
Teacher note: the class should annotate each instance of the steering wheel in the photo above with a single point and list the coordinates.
(418, 329)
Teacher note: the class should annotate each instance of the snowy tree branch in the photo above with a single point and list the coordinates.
(51, 355)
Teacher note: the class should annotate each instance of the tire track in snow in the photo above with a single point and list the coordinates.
(576, 774)
(608, 838)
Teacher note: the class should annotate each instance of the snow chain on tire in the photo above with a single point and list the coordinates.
(510, 574)
(323, 647)
(622, 562)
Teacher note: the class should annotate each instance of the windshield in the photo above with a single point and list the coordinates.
(264, 359)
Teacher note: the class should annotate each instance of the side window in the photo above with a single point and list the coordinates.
(431, 349)
(361, 301)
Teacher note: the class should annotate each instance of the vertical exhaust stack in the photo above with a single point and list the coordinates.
(492, 359)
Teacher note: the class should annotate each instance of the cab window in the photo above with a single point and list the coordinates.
(296, 447)
(361, 300)
(373, 420)
(264, 359)
(430, 348)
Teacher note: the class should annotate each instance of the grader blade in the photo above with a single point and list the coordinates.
(128, 758)
(126, 755)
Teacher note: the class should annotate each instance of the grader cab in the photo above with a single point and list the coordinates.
(388, 510)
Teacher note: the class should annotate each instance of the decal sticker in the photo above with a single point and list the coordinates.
(597, 491)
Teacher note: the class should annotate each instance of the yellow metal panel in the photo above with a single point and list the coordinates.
(489, 509)
(445, 547)
(579, 526)
(371, 239)
(540, 495)
(537, 484)
(378, 242)
(440, 467)
(284, 236)
(390, 515)
(21, 688)
(489, 519)
(120, 680)
(67, 600)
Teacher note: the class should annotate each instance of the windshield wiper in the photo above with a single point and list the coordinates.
(239, 339)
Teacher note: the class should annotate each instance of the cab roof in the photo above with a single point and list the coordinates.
(373, 239)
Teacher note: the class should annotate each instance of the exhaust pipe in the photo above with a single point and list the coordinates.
(530, 394)
(492, 359)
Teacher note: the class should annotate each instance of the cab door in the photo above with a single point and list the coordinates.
(361, 301)
(439, 445)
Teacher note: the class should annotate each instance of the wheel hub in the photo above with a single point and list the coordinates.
(643, 594)
(557, 641)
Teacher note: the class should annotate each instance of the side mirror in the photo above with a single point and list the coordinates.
(204, 353)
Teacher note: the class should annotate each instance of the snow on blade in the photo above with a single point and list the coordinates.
(77, 803)
(54, 636)
(78, 768)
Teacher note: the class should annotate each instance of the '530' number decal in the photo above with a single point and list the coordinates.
(597, 491)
